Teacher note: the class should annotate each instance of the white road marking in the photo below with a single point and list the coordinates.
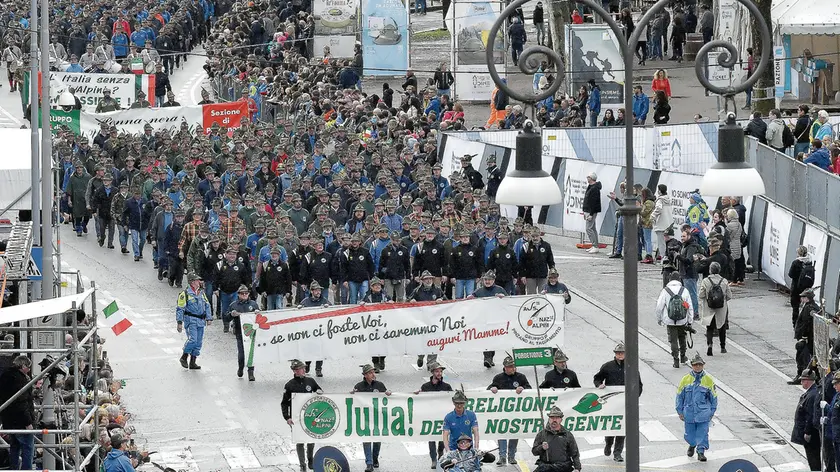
(758, 359)
(240, 458)
(353, 451)
(718, 455)
(199, 78)
(179, 459)
(591, 454)
(595, 440)
(10, 118)
(655, 431)
(719, 432)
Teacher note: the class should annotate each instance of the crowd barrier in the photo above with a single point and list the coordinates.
(777, 223)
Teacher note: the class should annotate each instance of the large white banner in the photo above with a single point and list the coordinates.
(775, 243)
(474, 325)
(454, 150)
(362, 417)
(88, 87)
(336, 26)
(133, 120)
(816, 241)
(574, 189)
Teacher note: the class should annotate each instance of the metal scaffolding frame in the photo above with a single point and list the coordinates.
(50, 434)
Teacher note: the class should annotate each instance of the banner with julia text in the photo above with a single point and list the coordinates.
(229, 115)
(393, 329)
(362, 417)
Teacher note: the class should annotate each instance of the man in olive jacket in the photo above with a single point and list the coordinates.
(555, 446)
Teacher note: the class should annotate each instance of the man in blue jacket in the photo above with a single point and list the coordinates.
(594, 103)
(133, 216)
(696, 405)
(819, 156)
(118, 460)
(641, 105)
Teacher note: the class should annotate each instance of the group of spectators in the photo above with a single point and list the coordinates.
(811, 138)
(98, 390)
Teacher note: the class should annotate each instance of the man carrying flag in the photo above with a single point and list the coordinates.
(193, 312)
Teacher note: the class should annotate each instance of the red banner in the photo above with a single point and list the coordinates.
(229, 115)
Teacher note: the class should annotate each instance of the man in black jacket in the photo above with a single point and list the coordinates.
(357, 267)
(612, 374)
(162, 84)
(504, 264)
(509, 379)
(20, 414)
(369, 384)
(101, 204)
(300, 383)
(560, 376)
(536, 260)
(394, 267)
(806, 420)
(435, 384)
(794, 272)
(757, 128)
(803, 331)
(591, 208)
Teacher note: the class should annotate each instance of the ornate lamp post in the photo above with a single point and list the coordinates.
(729, 160)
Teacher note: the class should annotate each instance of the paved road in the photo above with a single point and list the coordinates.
(211, 420)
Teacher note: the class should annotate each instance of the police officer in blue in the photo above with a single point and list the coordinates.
(193, 313)
(243, 304)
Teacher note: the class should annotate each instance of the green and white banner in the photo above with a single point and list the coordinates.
(333, 418)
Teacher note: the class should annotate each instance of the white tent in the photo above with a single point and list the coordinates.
(52, 306)
(15, 168)
(798, 17)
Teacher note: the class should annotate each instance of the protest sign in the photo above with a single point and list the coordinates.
(332, 418)
(474, 325)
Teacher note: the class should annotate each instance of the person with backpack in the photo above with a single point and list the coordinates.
(802, 274)
(675, 311)
(714, 306)
(737, 242)
(689, 254)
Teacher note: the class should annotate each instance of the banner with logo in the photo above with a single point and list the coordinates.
(88, 87)
(362, 417)
(336, 26)
(385, 37)
(394, 329)
(574, 189)
(471, 22)
(228, 114)
(774, 244)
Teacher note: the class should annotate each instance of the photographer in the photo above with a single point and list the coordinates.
(675, 311)
(118, 459)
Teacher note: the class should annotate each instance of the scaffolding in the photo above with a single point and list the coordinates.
(58, 422)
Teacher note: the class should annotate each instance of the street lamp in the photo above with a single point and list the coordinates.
(718, 177)
(528, 184)
(731, 170)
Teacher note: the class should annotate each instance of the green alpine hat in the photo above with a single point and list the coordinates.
(555, 411)
(459, 397)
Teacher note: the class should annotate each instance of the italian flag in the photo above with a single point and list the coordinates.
(137, 65)
(115, 319)
(146, 83)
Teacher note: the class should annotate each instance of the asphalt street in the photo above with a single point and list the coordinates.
(210, 420)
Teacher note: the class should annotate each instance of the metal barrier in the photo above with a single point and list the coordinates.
(804, 189)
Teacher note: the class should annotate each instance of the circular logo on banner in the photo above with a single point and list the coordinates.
(319, 417)
(537, 316)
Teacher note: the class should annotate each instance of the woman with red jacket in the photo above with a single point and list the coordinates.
(661, 82)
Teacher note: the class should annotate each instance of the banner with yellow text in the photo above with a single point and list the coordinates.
(332, 418)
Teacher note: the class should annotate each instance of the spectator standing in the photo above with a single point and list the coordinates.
(800, 131)
(714, 299)
(20, 414)
(641, 105)
(594, 103)
(819, 156)
(591, 207)
(661, 82)
(518, 37)
(661, 108)
(663, 217)
(539, 23)
(737, 237)
(707, 23)
(777, 131)
(757, 128)
(678, 37)
(801, 273)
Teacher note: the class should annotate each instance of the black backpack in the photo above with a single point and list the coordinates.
(677, 309)
(806, 276)
(788, 139)
(716, 297)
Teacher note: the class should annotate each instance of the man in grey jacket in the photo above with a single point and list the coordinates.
(775, 131)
